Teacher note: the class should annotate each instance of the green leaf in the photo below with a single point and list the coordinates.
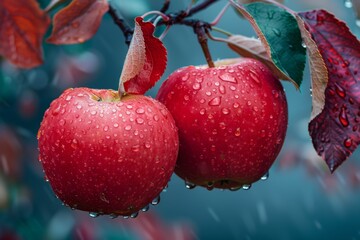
(281, 36)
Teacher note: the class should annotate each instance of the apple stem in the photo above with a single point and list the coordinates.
(201, 30)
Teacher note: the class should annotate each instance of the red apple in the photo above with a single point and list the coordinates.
(105, 155)
(232, 122)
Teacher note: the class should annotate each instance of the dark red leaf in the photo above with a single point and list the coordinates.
(22, 28)
(145, 61)
(78, 22)
(335, 131)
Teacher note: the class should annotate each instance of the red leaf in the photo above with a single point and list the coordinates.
(78, 22)
(145, 61)
(335, 131)
(22, 28)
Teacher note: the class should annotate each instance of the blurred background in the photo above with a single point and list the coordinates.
(300, 199)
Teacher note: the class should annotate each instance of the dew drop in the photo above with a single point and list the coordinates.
(155, 201)
(265, 177)
(222, 125)
(196, 86)
(246, 186)
(147, 145)
(140, 120)
(93, 214)
(227, 78)
(208, 93)
(134, 215)
(185, 77)
(225, 111)
(233, 189)
(186, 97)
(74, 143)
(93, 112)
(237, 132)
(140, 110)
(56, 111)
(303, 44)
(210, 186)
(113, 216)
(126, 217)
(116, 125)
(222, 89)
(128, 127)
(190, 185)
(215, 101)
(235, 105)
(156, 118)
(340, 91)
(202, 111)
(106, 128)
(135, 148)
(146, 208)
(254, 77)
(68, 98)
(62, 122)
(343, 117)
(348, 142)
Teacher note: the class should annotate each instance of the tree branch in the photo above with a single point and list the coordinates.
(125, 28)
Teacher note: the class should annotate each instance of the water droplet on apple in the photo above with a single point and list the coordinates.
(106, 128)
(62, 122)
(225, 111)
(202, 111)
(74, 143)
(113, 216)
(146, 208)
(68, 98)
(116, 125)
(235, 105)
(156, 118)
(189, 185)
(340, 91)
(210, 186)
(265, 177)
(46, 178)
(80, 95)
(303, 44)
(186, 97)
(246, 186)
(196, 86)
(134, 215)
(208, 93)
(128, 127)
(126, 217)
(254, 77)
(147, 145)
(222, 125)
(222, 89)
(56, 111)
(155, 201)
(185, 77)
(135, 148)
(233, 189)
(226, 77)
(93, 112)
(139, 120)
(232, 88)
(215, 101)
(237, 132)
(94, 214)
(140, 110)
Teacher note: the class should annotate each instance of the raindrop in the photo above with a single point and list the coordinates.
(185, 77)
(155, 201)
(146, 208)
(74, 143)
(93, 112)
(156, 118)
(227, 78)
(62, 122)
(222, 89)
(233, 189)
(276, 32)
(116, 125)
(348, 3)
(135, 148)
(237, 132)
(113, 216)
(190, 185)
(106, 128)
(348, 142)
(255, 78)
(235, 105)
(215, 101)
(56, 111)
(340, 91)
(202, 111)
(246, 186)
(140, 120)
(129, 107)
(140, 110)
(265, 177)
(186, 97)
(93, 214)
(343, 117)
(46, 178)
(210, 186)
(147, 145)
(134, 215)
(225, 111)
(128, 127)
(196, 86)
(222, 125)
(126, 217)
(208, 93)
(68, 98)
(303, 44)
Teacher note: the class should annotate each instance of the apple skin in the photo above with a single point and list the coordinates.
(106, 155)
(231, 119)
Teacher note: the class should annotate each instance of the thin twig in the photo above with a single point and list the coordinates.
(125, 28)
(165, 7)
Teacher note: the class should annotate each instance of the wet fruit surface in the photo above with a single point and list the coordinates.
(232, 122)
(105, 155)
